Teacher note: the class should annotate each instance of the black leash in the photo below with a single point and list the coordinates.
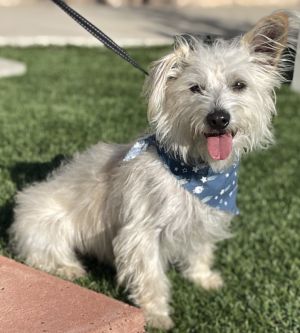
(100, 35)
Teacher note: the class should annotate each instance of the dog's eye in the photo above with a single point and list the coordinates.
(239, 86)
(196, 89)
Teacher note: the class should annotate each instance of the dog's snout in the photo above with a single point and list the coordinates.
(218, 119)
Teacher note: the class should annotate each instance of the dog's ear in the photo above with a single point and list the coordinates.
(269, 38)
(161, 72)
(185, 42)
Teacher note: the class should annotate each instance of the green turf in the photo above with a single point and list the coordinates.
(71, 98)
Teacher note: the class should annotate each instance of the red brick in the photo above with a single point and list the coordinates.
(35, 302)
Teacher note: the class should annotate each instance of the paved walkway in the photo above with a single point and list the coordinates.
(46, 24)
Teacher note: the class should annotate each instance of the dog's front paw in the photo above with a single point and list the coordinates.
(212, 281)
(163, 322)
(209, 280)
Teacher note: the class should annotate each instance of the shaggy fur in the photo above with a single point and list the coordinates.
(134, 214)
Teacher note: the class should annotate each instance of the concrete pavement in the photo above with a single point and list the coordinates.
(45, 23)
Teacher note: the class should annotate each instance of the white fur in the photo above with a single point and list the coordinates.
(134, 214)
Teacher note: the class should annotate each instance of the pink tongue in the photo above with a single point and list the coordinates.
(219, 147)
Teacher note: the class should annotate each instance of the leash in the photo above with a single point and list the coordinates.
(100, 35)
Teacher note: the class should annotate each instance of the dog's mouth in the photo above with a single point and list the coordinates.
(219, 144)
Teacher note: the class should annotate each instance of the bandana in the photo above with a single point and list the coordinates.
(216, 189)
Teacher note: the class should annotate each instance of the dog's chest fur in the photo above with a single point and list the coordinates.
(152, 200)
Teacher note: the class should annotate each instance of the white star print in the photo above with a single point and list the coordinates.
(211, 178)
(206, 199)
(198, 189)
(227, 188)
(215, 189)
(183, 181)
(138, 145)
(204, 179)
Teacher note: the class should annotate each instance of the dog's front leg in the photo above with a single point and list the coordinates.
(141, 270)
(198, 267)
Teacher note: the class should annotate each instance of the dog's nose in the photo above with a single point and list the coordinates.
(218, 120)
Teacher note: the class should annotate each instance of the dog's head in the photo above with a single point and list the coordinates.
(214, 102)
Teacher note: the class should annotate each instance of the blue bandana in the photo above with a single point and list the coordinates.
(217, 189)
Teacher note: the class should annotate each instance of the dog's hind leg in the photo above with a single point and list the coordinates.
(43, 236)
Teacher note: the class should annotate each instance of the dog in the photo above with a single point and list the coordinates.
(168, 198)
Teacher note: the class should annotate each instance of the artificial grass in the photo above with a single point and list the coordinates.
(73, 97)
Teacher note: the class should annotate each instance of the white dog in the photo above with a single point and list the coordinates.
(168, 198)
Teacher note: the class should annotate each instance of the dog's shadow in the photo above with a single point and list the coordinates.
(100, 277)
(25, 173)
